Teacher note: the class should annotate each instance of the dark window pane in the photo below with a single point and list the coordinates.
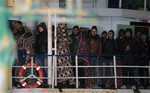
(62, 3)
(113, 3)
(133, 4)
(148, 5)
(128, 4)
(140, 4)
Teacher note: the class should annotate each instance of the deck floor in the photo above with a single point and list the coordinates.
(45, 90)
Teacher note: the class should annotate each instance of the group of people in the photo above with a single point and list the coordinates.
(28, 43)
(129, 51)
(92, 50)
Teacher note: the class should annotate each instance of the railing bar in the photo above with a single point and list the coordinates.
(85, 66)
(53, 73)
(115, 71)
(115, 77)
(76, 60)
(145, 5)
(83, 77)
(120, 3)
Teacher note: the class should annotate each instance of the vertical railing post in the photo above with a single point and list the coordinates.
(107, 3)
(115, 71)
(145, 5)
(11, 78)
(53, 71)
(55, 42)
(76, 60)
(49, 45)
(32, 66)
(120, 3)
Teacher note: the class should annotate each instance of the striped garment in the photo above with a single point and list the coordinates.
(25, 41)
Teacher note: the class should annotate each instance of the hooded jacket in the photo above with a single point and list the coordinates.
(41, 39)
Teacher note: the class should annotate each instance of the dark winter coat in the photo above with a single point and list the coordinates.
(41, 40)
(109, 48)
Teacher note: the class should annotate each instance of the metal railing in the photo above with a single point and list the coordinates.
(54, 68)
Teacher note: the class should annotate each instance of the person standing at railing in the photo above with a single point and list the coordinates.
(120, 41)
(64, 58)
(80, 46)
(144, 60)
(108, 50)
(95, 50)
(25, 44)
(41, 49)
(103, 37)
(75, 39)
(119, 58)
(128, 59)
(137, 40)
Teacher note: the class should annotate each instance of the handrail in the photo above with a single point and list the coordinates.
(115, 66)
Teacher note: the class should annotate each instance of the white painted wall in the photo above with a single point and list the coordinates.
(101, 3)
(94, 4)
(104, 22)
(49, 3)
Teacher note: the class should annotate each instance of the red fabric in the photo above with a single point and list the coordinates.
(84, 50)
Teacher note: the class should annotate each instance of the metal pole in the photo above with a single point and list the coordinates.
(53, 72)
(145, 5)
(31, 65)
(49, 48)
(115, 71)
(55, 42)
(76, 60)
(11, 77)
(107, 3)
(120, 3)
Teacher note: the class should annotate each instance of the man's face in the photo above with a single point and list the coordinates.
(143, 36)
(128, 34)
(75, 31)
(82, 30)
(104, 35)
(41, 29)
(110, 34)
(94, 32)
(17, 26)
(138, 34)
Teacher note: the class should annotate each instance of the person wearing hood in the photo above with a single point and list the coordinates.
(103, 36)
(144, 48)
(128, 60)
(64, 70)
(41, 48)
(95, 50)
(108, 50)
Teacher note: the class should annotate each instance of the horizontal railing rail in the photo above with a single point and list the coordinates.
(55, 67)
